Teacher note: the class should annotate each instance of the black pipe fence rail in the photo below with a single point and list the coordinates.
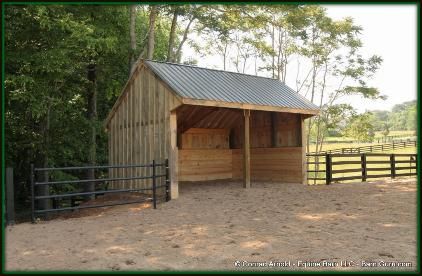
(400, 144)
(36, 195)
(326, 168)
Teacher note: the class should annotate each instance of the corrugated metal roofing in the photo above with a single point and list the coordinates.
(209, 84)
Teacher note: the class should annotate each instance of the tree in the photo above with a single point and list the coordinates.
(132, 33)
(360, 128)
(385, 129)
(46, 90)
(332, 48)
(151, 32)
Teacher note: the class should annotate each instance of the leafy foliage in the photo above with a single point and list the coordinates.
(48, 49)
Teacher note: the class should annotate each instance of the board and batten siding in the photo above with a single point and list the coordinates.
(139, 130)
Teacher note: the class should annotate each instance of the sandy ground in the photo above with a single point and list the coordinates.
(213, 225)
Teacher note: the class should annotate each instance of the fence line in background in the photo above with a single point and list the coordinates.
(373, 148)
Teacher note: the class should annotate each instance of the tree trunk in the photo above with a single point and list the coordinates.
(132, 33)
(279, 56)
(178, 54)
(225, 55)
(151, 33)
(314, 70)
(314, 73)
(273, 47)
(319, 130)
(172, 35)
(92, 118)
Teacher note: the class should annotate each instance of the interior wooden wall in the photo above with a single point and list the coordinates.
(271, 164)
(139, 131)
(287, 130)
(205, 164)
(205, 138)
(210, 153)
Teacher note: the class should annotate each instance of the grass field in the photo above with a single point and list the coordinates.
(326, 147)
(404, 134)
(396, 133)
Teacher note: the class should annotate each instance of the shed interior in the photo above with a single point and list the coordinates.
(210, 143)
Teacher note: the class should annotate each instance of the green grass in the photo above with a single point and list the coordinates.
(396, 133)
(378, 134)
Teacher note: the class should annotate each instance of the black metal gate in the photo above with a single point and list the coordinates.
(153, 196)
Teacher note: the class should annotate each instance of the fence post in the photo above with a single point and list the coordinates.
(327, 169)
(167, 181)
(393, 165)
(393, 144)
(32, 194)
(154, 195)
(363, 165)
(10, 197)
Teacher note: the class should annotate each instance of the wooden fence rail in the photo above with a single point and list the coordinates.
(330, 168)
(374, 148)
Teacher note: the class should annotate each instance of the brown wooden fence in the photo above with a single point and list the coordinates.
(332, 168)
(374, 148)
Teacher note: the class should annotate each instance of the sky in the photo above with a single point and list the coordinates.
(389, 31)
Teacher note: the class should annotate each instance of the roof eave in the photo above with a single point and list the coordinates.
(311, 112)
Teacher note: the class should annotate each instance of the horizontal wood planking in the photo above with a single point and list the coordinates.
(271, 164)
(203, 138)
(286, 128)
(205, 164)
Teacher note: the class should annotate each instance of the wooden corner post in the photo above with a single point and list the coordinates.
(246, 151)
(174, 159)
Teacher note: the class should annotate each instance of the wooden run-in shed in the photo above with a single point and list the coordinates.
(210, 124)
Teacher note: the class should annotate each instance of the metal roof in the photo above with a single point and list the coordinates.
(209, 84)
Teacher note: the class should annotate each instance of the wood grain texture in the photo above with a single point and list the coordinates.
(140, 128)
(269, 129)
(246, 150)
(271, 164)
(205, 164)
(205, 138)
(151, 122)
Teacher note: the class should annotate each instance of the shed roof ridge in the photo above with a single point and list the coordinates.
(212, 69)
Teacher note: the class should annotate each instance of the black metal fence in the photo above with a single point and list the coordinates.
(149, 194)
(329, 168)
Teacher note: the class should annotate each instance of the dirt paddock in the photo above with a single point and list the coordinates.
(213, 225)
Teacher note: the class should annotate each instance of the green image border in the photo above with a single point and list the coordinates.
(418, 214)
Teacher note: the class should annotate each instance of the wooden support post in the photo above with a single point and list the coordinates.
(303, 145)
(174, 160)
(246, 151)
(328, 175)
(393, 165)
(363, 164)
